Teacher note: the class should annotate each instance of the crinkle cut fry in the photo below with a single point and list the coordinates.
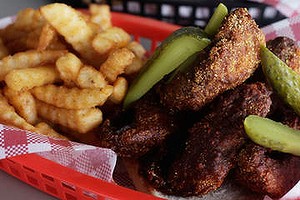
(72, 98)
(100, 15)
(28, 59)
(25, 79)
(80, 120)
(116, 64)
(23, 102)
(74, 28)
(8, 115)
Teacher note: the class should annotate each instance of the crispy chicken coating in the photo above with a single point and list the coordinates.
(233, 57)
(284, 48)
(212, 145)
(263, 170)
(150, 126)
(267, 172)
(287, 50)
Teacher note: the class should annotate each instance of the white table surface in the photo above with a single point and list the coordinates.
(10, 187)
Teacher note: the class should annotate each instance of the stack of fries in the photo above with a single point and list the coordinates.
(59, 67)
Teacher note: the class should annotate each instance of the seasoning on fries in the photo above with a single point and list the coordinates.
(68, 67)
(23, 102)
(89, 77)
(72, 98)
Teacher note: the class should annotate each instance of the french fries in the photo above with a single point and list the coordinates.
(116, 64)
(59, 67)
(28, 19)
(80, 120)
(100, 15)
(21, 35)
(25, 79)
(119, 91)
(68, 67)
(72, 98)
(24, 104)
(110, 39)
(89, 77)
(9, 116)
(27, 59)
(139, 59)
(45, 129)
(73, 28)
(137, 49)
(47, 35)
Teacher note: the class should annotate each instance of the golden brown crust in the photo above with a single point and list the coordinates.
(232, 59)
(214, 142)
(267, 172)
(287, 50)
(151, 125)
(211, 147)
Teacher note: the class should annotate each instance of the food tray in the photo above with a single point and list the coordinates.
(186, 12)
(55, 179)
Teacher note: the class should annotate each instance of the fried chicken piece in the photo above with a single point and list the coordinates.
(150, 126)
(263, 170)
(267, 172)
(233, 57)
(287, 50)
(212, 145)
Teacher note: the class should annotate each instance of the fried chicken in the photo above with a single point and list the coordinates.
(287, 50)
(263, 170)
(150, 126)
(267, 172)
(270, 172)
(212, 145)
(233, 57)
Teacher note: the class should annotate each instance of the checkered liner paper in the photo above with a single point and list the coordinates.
(99, 162)
(90, 160)
(289, 8)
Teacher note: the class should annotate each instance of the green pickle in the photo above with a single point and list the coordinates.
(271, 134)
(171, 54)
(179, 50)
(284, 80)
(216, 20)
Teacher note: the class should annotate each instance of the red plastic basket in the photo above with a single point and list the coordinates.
(55, 179)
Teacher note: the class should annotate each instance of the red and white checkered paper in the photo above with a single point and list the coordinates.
(289, 8)
(100, 162)
(87, 159)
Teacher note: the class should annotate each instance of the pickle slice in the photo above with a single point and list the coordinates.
(211, 29)
(171, 54)
(284, 80)
(216, 19)
(271, 134)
